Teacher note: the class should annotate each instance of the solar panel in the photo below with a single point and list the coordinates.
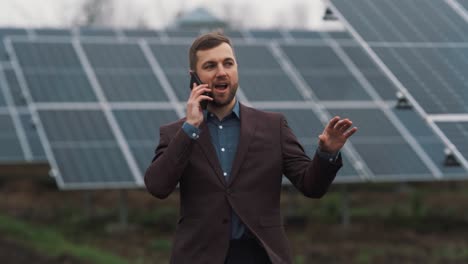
(96, 32)
(141, 130)
(304, 34)
(429, 141)
(53, 72)
(5, 32)
(273, 86)
(123, 72)
(85, 148)
(131, 87)
(171, 56)
(325, 73)
(177, 33)
(255, 57)
(51, 32)
(464, 3)
(11, 147)
(141, 33)
(382, 146)
(30, 130)
(266, 34)
(422, 47)
(434, 76)
(407, 21)
(457, 132)
(18, 135)
(234, 34)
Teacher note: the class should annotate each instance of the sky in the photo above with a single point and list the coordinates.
(157, 14)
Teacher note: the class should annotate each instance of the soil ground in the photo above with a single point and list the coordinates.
(389, 223)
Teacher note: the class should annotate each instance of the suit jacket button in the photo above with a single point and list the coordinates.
(228, 191)
(225, 221)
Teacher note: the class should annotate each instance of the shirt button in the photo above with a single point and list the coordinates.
(225, 174)
(220, 127)
(194, 135)
(222, 149)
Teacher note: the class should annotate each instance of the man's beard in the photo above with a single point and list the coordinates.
(232, 93)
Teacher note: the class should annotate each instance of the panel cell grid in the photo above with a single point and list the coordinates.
(141, 33)
(382, 147)
(266, 34)
(97, 32)
(53, 32)
(435, 77)
(171, 56)
(457, 133)
(269, 87)
(408, 21)
(30, 129)
(8, 32)
(124, 73)
(141, 130)
(325, 73)
(115, 56)
(305, 34)
(11, 148)
(431, 143)
(250, 57)
(84, 147)
(44, 55)
(53, 73)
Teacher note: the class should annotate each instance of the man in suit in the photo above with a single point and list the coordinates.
(228, 161)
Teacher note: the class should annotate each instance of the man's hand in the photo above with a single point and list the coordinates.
(194, 111)
(335, 134)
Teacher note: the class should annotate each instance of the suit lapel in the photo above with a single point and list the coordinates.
(247, 129)
(207, 147)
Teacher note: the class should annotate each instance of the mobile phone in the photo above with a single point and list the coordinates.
(195, 79)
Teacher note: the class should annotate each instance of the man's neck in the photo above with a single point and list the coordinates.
(222, 111)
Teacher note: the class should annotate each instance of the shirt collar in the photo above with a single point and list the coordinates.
(235, 110)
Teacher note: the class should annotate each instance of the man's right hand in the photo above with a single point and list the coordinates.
(194, 111)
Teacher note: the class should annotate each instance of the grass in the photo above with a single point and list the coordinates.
(53, 243)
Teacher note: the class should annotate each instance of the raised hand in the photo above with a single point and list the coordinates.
(335, 134)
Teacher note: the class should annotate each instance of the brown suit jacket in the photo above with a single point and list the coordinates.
(267, 149)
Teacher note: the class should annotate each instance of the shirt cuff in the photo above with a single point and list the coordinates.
(191, 131)
(327, 156)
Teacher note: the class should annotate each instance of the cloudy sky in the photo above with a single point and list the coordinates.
(305, 14)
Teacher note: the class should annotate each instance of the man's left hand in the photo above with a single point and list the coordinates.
(335, 134)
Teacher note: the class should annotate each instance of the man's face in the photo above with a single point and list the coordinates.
(217, 67)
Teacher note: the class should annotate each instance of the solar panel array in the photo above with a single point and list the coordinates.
(98, 97)
(422, 46)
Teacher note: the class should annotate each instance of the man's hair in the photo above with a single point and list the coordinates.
(205, 42)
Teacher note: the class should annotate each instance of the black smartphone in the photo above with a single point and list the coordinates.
(195, 79)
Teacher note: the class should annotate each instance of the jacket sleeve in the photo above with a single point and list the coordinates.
(311, 177)
(171, 158)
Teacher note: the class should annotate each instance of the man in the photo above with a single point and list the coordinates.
(228, 161)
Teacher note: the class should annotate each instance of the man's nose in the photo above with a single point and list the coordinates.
(221, 71)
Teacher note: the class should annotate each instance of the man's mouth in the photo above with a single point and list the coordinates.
(220, 86)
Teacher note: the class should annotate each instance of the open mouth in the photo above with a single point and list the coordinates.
(221, 86)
